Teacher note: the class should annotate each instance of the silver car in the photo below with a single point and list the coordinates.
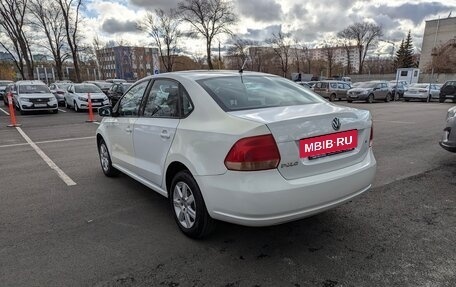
(423, 92)
(59, 90)
(448, 141)
(370, 92)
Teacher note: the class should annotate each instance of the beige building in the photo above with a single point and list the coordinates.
(438, 33)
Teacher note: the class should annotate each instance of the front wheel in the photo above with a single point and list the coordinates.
(332, 97)
(441, 100)
(76, 108)
(105, 160)
(188, 206)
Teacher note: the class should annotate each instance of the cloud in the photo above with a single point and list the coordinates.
(156, 4)
(411, 11)
(261, 34)
(113, 26)
(261, 10)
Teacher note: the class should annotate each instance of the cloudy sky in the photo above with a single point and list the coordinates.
(310, 21)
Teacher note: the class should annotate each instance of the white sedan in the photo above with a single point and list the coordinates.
(77, 97)
(423, 92)
(248, 148)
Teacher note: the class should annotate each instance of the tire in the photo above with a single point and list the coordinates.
(388, 98)
(396, 97)
(56, 111)
(407, 99)
(349, 101)
(76, 108)
(188, 206)
(105, 160)
(441, 100)
(22, 112)
(5, 101)
(332, 97)
(65, 104)
(370, 99)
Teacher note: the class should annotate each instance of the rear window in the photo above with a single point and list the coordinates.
(256, 92)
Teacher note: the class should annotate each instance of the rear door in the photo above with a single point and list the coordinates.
(154, 131)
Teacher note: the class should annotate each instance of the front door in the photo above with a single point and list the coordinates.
(154, 131)
(120, 127)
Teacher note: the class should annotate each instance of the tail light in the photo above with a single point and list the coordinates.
(253, 153)
(371, 139)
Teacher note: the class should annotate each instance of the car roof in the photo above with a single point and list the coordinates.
(196, 75)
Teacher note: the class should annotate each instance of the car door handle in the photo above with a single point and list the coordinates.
(164, 134)
(128, 130)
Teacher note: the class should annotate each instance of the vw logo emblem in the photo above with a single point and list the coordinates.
(336, 124)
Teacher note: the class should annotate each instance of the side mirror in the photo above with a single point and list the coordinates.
(105, 111)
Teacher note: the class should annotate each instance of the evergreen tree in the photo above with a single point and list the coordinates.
(404, 56)
(408, 52)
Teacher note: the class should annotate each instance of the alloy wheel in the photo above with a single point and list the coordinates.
(184, 204)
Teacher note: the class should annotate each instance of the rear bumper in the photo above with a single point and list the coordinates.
(448, 140)
(265, 198)
(360, 97)
(416, 96)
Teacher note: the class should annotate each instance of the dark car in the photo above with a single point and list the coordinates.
(448, 91)
(116, 91)
(3, 84)
(332, 89)
(104, 86)
(8, 89)
(397, 90)
(370, 92)
(59, 89)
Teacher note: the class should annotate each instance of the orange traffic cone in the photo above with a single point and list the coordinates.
(11, 112)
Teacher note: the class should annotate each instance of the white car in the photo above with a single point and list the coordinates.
(77, 97)
(248, 148)
(423, 92)
(33, 96)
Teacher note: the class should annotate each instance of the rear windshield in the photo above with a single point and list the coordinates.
(87, 89)
(33, 89)
(256, 92)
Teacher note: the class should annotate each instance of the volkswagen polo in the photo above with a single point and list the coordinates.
(247, 148)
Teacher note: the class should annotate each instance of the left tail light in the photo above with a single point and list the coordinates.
(253, 153)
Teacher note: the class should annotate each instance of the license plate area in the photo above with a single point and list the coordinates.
(40, 105)
(330, 144)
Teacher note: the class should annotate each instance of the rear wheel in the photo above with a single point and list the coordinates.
(105, 160)
(370, 99)
(188, 206)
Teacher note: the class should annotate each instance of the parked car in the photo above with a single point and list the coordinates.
(304, 84)
(422, 92)
(115, 81)
(116, 91)
(448, 141)
(77, 97)
(397, 90)
(59, 89)
(3, 90)
(3, 84)
(332, 89)
(370, 92)
(33, 96)
(448, 91)
(104, 86)
(248, 148)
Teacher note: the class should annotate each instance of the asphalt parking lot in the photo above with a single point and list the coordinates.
(89, 230)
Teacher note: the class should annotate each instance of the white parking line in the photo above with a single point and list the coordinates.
(49, 141)
(66, 179)
(62, 111)
(97, 123)
(4, 111)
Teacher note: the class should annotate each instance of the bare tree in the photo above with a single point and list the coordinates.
(364, 34)
(297, 51)
(328, 51)
(70, 11)
(163, 27)
(208, 18)
(281, 46)
(13, 21)
(48, 19)
(97, 46)
(238, 50)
